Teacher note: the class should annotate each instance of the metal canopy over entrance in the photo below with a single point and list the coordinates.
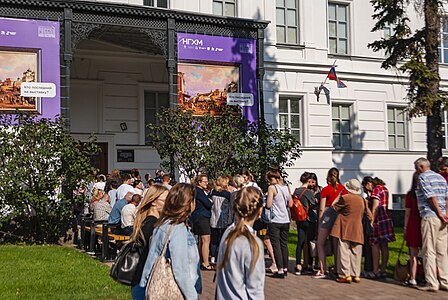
(147, 29)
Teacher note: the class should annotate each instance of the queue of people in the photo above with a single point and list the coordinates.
(213, 226)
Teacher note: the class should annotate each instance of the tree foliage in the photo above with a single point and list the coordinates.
(41, 166)
(220, 145)
(415, 53)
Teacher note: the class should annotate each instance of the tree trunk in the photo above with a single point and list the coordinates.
(433, 121)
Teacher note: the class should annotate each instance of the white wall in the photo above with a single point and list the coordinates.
(290, 71)
(108, 84)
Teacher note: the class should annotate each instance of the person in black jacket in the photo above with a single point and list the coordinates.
(200, 219)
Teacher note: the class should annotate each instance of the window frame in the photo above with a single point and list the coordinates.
(341, 133)
(441, 48)
(347, 22)
(158, 88)
(445, 130)
(155, 4)
(395, 122)
(223, 3)
(289, 114)
(285, 25)
(390, 27)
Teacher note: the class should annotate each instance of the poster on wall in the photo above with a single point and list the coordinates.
(203, 88)
(18, 66)
(29, 67)
(211, 67)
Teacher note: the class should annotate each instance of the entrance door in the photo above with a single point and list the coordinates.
(99, 160)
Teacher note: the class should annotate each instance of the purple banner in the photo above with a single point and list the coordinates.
(29, 66)
(209, 50)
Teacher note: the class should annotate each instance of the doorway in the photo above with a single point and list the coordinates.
(99, 160)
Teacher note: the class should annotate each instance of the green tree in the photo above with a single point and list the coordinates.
(220, 145)
(415, 54)
(41, 167)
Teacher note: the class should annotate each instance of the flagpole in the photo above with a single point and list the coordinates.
(334, 64)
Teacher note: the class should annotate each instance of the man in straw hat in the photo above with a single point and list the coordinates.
(349, 232)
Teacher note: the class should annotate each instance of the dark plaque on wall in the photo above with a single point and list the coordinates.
(124, 155)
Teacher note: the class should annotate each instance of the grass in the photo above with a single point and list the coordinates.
(55, 272)
(394, 249)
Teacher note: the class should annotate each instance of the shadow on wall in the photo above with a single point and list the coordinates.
(351, 158)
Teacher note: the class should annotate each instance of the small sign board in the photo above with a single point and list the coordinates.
(38, 89)
(242, 99)
(125, 155)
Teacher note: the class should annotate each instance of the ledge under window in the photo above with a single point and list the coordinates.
(290, 46)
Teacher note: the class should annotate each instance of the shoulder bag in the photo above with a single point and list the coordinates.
(266, 214)
(401, 272)
(161, 284)
(125, 265)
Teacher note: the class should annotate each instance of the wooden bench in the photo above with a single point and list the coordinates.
(106, 236)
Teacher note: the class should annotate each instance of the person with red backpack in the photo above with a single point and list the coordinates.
(302, 212)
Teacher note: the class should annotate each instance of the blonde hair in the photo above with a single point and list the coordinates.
(238, 180)
(246, 206)
(221, 183)
(144, 209)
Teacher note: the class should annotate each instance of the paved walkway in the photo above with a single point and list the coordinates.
(305, 287)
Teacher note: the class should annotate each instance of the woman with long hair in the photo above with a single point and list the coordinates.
(181, 249)
(279, 199)
(248, 178)
(383, 227)
(327, 216)
(240, 271)
(148, 212)
(304, 228)
(201, 219)
(412, 230)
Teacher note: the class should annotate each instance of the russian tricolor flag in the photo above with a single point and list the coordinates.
(332, 76)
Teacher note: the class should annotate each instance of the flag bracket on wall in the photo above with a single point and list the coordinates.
(332, 76)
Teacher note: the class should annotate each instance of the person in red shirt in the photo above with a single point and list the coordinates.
(412, 230)
(327, 216)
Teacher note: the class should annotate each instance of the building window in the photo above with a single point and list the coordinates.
(338, 28)
(444, 129)
(398, 201)
(286, 18)
(388, 30)
(289, 116)
(154, 102)
(224, 7)
(156, 3)
(342, 131)
(396, 124)
(443, 47)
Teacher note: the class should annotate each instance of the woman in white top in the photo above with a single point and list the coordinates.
(240, 273)
(279, 199)
(248, 178)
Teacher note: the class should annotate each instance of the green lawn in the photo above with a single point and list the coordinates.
(394, 248)
(55, 272)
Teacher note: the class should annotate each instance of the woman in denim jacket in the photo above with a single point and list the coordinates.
(182, 249)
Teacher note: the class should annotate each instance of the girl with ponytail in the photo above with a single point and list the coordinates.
(240, 273)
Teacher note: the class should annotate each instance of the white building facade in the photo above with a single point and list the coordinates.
(363, 131)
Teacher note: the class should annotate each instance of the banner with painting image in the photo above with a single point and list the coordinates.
(211, 67)
(29, 66)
